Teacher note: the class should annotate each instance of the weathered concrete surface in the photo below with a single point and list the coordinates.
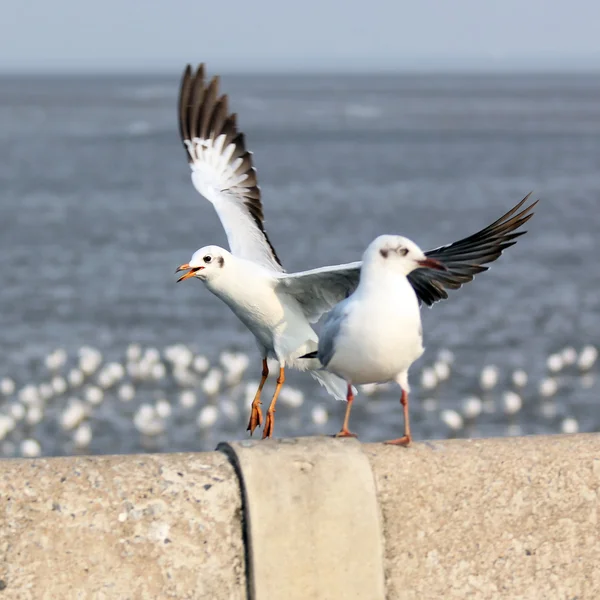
(497, 518)
(313, 522)
(123, 528)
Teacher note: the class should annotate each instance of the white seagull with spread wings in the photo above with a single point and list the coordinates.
(278, 307)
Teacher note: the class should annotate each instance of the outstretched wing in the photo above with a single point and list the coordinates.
(222, 168)
(319, 290)
(465, 258)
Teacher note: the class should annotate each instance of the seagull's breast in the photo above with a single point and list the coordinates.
(381, 338)
(253, 300)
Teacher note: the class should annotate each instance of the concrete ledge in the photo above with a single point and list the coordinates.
(122, 527)
(312, 519)
(500, 518)
(495, 518)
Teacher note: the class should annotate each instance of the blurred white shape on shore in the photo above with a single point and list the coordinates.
(548, 387)
(133, 352)
(158, 371)
(442, 370)
(34, 415)
(187, 399)
(569, 425)
(152, 355)
(74, 413)
(569, 356)
(472, 407)
(163, 408)
(83, 435)
(89, 361)
(147, 421)
(200, 364)
(17, 411)
(183, 377)
(7, 386)
(94, 395)
(29, 394)
(59, 385)
(512, 402)
(445, 355)
(555, 363)
(234, 365)
(56, 359)
(207, 416)
(75, 377)
(368, 389)
(179, 355)
(489, 377)
(291, 396)
(319, 415)
(587, 358)
(45, 391)
(7, 424)
(519, 378)
(212, 382)
(30, 448)
(452, 419)
(126, 392)
(429, 378)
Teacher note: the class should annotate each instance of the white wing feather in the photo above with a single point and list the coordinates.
(222, 169)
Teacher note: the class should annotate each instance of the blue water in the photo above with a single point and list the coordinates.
(97, 209)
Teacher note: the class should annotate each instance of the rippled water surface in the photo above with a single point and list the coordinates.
(97, 209)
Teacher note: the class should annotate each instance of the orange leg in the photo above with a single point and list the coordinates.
(256, 417)
(344, 430)
(270, 421)
(406, 439)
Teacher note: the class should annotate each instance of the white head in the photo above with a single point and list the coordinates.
(398, 254)
(205, 264)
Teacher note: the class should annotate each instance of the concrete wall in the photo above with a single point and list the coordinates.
(307, 518)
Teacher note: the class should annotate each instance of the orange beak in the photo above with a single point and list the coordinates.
(192, 271)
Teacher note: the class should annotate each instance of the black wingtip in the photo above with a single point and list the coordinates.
(311, 354)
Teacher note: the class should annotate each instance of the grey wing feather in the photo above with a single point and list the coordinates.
(330, 332)
(465, 258)
(319, 290)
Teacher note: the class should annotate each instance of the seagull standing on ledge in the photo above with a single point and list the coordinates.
(278, 307)
(375, 335)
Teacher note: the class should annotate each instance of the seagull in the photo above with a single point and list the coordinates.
(278, 307)
(375, 335)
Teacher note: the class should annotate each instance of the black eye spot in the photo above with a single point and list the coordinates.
(402, 251)
(207, 258)
(384, 252)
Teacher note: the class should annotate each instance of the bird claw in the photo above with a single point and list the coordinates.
(256, 418)
(405, 440)
(344, 433)
(269, 425)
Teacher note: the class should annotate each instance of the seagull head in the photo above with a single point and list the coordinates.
(399, 254)
(206, 263)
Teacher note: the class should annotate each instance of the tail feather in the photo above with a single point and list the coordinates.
(334, 385)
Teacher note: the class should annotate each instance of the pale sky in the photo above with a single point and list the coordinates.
(300, 35)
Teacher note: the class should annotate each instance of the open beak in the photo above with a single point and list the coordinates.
(432, 263)
(191, 271)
